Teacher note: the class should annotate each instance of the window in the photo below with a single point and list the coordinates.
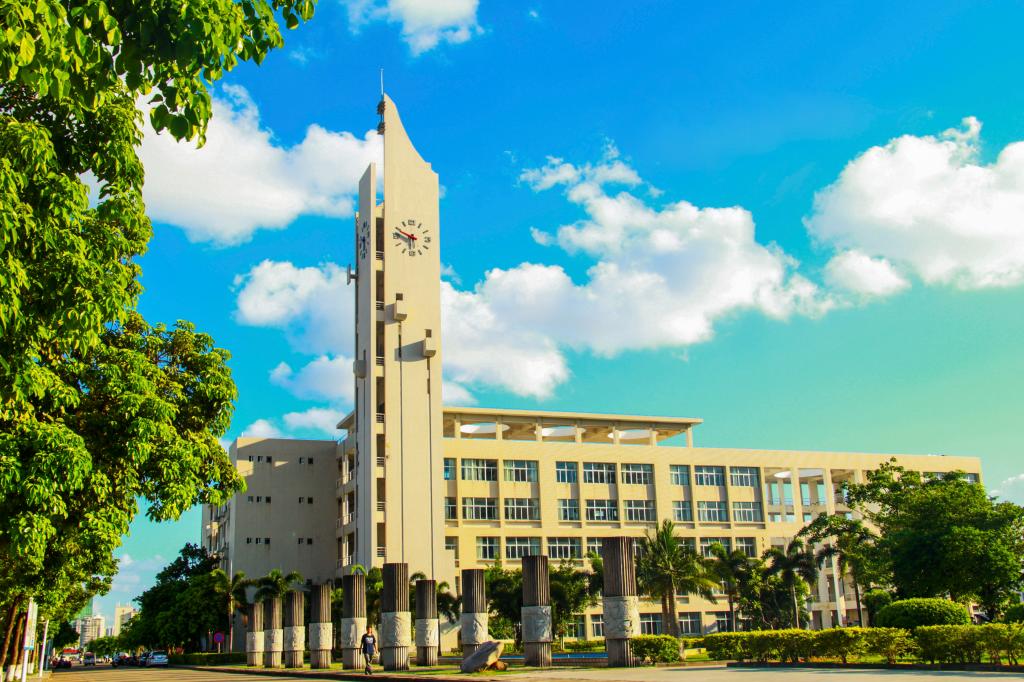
(722, 621)
(565, 472)
(452, 545)
(807, 516)
(309, 460)
(682, 510)
(691, 543)
(302, 540)
(479, 508)
(597, 625)
(679, 474)
(517, 548)
(522, 509)
(267, 499)
(269, 459)
(520, 470)
(565, 548)
(714, 512)
(259, 498)
(650, 624)
(595, 546)
(971, 478)
(640, 510)
(748, 546)
(568, 510)
(709, 475)
(301, 500)
(451, 509)
(449, 468)
(486, 548)
(576, 628)
(602, 510)
(747, 511)
(805, 494)
(689, 623)
(309, 541)
(250, 498)
(301, 460)
(745, 476)
(598, 472)
(705, 545)
(250, 458)
(637, 474)
(479, 470)
(248, 541)
(309, 500)
(266, 541)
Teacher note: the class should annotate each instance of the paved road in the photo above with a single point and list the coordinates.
(105, 673)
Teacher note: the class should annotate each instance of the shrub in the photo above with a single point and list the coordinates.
(890, 643)
(764, 645)
(839, 643)
(585, 645)
(1002, 640)
(795, 644)
(949, 643)
(912, 613)
(656, 648)
(1014, 614)
(722, 646)
(874, 601)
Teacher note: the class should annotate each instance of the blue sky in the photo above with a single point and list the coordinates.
(802, 224)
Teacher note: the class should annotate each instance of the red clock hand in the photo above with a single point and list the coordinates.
(410, 236)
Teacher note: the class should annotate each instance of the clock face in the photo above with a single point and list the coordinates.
(363, 240)
(412, 238)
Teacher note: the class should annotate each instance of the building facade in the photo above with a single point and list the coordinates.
(445, 488)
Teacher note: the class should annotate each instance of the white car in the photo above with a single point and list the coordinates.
(156, 658)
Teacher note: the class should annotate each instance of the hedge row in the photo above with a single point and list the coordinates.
(1000, 643)
(207, 658)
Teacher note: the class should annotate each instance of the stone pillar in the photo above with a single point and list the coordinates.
(473, 621)
(274, 632)
(294, 629)
(353, 620)
(320, 628)
(621, 604)
(395, 620)
(536, 611)
(428, 629)
(254, 634)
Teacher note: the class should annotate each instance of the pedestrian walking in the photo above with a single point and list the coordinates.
(368, 645)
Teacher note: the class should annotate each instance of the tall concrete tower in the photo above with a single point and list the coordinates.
(393, 509)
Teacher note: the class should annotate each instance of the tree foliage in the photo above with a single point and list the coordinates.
(796, 567)
(667, 567)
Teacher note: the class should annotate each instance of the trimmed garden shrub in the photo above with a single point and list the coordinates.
(949, 643)
(585, 645)
(724, 646)
(889, 643)
(1002, 641)
(874, 601)
(764, 645)
(839, 643)
(795, 645)
(656, 648)
(912, 613)
(1014, 614)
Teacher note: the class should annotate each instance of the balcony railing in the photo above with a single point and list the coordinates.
(380, 360)
(380, 505)
(346, 518)
(380, 417)
(380, 255)
(379, 305)
(381, 460)
(382, 552)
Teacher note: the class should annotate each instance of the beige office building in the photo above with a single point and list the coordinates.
(445, 488)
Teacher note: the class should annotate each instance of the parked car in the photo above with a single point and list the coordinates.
(89, 658)
(60, 663)
(142, 658)
(156, 658)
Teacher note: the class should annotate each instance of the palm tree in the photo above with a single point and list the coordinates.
(793, 564)
(276, 584)
(448, 604)
(667, 567)
(850, 548)
(233, 591)
(731, 568)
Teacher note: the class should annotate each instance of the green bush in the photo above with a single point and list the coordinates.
(656, 648)
(763, 645)
(1014, 614)
(585, 645)
(795, 645)
(889, 643)
(839, 643)
(949, 643)
(235, 657)
(726, 646)
(1002, 641)
(874, 601)
(912, 613)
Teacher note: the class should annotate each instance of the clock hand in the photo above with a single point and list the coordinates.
(409, 236)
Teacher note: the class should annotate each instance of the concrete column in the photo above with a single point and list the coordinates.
(395, 621)
(320, 627)
(473, 622)
(254, 638)
(274, 633)
(830, 508)
(428, 629)
(536, 611)
(294, 629)
(621, 604)
(353, 620)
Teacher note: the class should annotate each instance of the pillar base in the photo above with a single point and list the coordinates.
(468, 649)
(620, 653)
(537, 654)
(272, 659)
(426, 655)
(351, 659)
(293, 659)
(320, 658)
(254, 658)
(395, 657)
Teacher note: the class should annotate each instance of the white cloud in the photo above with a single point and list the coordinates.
(325, 378)
(243, 179)
(425, 23)
(318, 419)
(858, 273)
(929, 207)
(1011, 489)
(454, 393)
(261, 428)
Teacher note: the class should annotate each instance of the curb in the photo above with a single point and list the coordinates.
(949, 667)
(309, 674)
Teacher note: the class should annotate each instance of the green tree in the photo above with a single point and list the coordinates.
(944, 536)
(64, 635)
(765, 601)
(233, 592)
(276, 584)
(97, 407)
(572, 592)
(793, 565)
(105, 646)
(853, 547)
(504, 601)
(731, 568)
(667, 568)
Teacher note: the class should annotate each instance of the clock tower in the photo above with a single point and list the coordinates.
(391, 506)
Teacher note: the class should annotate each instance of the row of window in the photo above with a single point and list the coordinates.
(525, 471)
(528, 509)
(266, 541)
(488, 547)
(269, 459)
(266, 499)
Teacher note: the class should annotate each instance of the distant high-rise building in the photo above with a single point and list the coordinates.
(90, 628)
(122, 614)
